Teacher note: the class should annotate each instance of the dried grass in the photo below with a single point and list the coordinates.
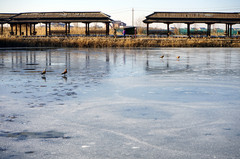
(101, 42)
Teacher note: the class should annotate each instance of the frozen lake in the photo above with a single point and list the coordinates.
(120, 103)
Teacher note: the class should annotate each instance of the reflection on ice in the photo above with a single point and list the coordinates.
(117, 103)
(31, 135)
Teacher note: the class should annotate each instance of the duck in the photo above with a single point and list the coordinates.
(162, 56)
(43, 72)
(64, 72)
(178, 57)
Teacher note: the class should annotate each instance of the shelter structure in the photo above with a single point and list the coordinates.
(4, 18)
(189, 18)
(29, 20)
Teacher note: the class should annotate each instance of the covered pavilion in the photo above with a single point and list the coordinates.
(29, 20)
(189, 18)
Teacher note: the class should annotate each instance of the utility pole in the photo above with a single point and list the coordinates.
(132, 16)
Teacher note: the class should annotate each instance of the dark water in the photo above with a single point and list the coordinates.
(119, 103)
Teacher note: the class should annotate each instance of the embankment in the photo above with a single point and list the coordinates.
(100, 42)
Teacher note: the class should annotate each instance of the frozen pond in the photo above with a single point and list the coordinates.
(118, 103)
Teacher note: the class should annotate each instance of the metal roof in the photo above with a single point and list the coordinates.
(192, 17)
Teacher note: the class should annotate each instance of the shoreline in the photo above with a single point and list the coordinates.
(110, 42)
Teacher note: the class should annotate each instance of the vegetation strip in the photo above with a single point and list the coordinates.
(102, 42)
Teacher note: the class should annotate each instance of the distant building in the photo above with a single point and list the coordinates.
(118, 24)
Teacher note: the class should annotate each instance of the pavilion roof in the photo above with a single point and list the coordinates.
(192, 17)
(5, 17)
(47, 17)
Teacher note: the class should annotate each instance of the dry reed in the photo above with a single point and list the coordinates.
(101, 42)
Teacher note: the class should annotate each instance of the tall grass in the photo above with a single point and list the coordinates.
(100, 42)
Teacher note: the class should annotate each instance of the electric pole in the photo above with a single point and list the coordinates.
(132, 16)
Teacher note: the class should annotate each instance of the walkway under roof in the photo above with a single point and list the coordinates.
(32, 18)
(194, 17)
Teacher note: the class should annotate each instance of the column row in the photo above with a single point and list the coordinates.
(228, 29)
(31, 31)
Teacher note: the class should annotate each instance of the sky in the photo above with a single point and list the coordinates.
(120, 9)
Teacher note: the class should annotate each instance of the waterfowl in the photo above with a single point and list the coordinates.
(64, 72)
(178, 57)
(162, 56)
(43, 72)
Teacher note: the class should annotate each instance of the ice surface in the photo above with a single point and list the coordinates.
(120, 103)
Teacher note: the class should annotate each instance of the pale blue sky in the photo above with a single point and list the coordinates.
(119, 9)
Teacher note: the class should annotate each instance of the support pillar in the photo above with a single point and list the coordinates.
(68, 28)
(26, 29)
(230, 30)
(147, 29)
(87, 31)
(20, 29)
(168, 33)
(49, 28)
(11, 25)
(16, 29)
(107, 29)
(1, 29)
(66, 31)
(46, 28)
(226, 31)
(188, 30)
(34, 29)
(208, 30)
(30, 29)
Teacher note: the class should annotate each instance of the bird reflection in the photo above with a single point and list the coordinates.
(44, 78)
(64, 78)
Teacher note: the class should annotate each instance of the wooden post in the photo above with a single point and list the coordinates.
(15, 29)
(20, 29)
(1, 29)
(168, 29)
(88, 29)
(46, 29)
(147, 29)
(208, 29)
(26, 29)
(30, 29)
(230, 30)
(34, 29)
(107, 29)
(66, 31)
(68, 28)
(188, 30)
(49, 28)
(11, 25)
(225, 30)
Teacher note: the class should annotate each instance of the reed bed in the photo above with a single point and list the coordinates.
(102, 42)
